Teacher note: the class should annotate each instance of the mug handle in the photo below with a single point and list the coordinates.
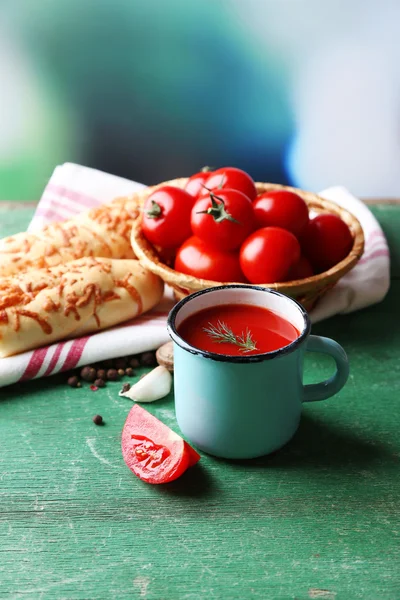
(331, 386)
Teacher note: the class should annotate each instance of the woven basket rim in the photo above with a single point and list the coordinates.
(149, 259)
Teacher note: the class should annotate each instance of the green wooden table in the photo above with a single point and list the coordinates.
(320, 519)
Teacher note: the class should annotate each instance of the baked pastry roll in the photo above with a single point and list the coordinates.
(80, 297)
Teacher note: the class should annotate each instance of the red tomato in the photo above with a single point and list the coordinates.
(301, 270)
(197, 258)
(326, 241)
(195, 183)
(268, 254)
(152, 451)
(166, 216)
(281, 208)
(223, 219)
(234, 179)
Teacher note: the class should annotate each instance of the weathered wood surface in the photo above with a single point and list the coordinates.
(320, 519)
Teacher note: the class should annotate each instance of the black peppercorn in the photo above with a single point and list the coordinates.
(73, 381)
(100, 382)
(129, 372)
(112, 375)
(97, 420)
(126, 387)
(88, 374)
(134, 363)
(148, 359)
(101, 374)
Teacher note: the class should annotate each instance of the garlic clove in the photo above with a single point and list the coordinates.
(155, 385)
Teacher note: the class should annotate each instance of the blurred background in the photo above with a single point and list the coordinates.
(294, 91)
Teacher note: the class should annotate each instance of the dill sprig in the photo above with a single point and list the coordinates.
(222, 334)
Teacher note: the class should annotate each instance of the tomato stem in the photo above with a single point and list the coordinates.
(155, 211)
(207, 169)
(218, 211)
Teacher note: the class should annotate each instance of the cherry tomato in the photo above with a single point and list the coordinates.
(234, 179)
(166, 216)
(268, 254)
(301, 270)
(195, 183)
(152, 451)
(326, 241)
(223, 219)
(281, 208)
(197, 258)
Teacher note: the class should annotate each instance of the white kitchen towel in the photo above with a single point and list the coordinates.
(73, 188)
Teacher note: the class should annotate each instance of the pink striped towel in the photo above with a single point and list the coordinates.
(73, 188)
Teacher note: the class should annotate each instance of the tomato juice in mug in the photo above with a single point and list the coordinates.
(237, 330)
(238, 368)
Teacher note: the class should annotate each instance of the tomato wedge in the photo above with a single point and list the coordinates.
(152, 451)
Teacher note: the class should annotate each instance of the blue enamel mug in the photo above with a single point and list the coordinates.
(246, 406)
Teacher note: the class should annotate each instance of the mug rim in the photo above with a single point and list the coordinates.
(177, 338)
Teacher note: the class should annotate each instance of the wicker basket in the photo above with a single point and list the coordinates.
(306, 291)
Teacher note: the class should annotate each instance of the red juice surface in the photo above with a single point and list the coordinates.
(237, 330)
